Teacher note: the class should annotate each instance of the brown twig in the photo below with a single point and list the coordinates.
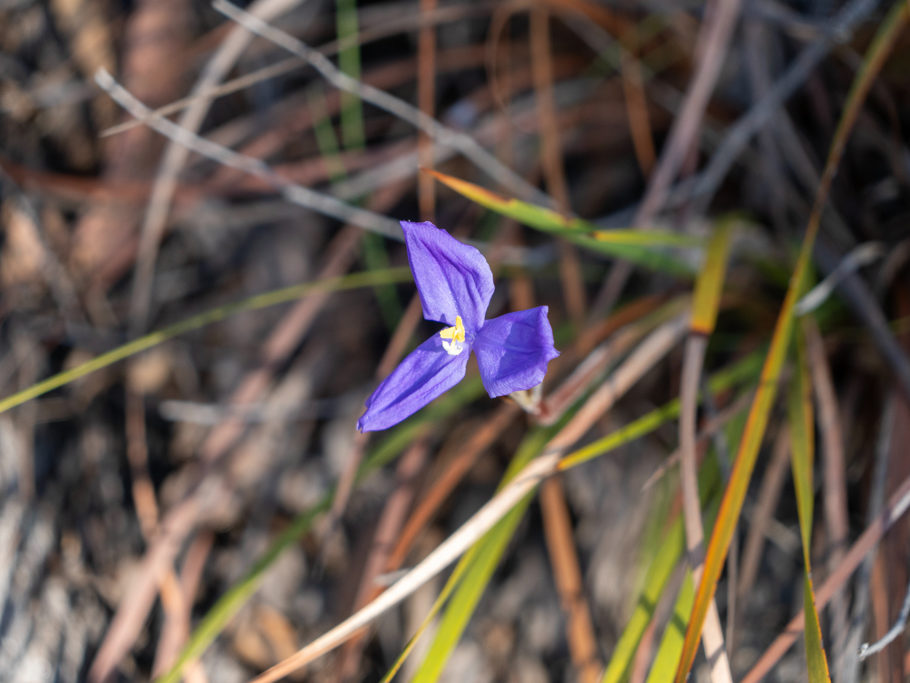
(444, 484)
(558, 530)
(636, 103)
(426, 99)
(858, 619)
(177, 627)
(551, 158)
(763, 511)
(834, 474)
(173, 598)
(387, 531)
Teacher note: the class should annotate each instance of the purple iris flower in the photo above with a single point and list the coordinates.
(455, 286)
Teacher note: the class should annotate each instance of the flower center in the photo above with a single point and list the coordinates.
(453, 337)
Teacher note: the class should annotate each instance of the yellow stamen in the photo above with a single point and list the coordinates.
(456, 335)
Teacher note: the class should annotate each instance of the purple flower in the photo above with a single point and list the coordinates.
(455, 286)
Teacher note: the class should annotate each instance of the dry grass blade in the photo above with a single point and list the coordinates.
(434, 563)
(763, 511)
(859, 614)
(713, 42)
(714, 38)
(446, 483)
(558, 528)
(802, 431)
(636, 105)
(739, 135)
(834, 474)
(173, 598)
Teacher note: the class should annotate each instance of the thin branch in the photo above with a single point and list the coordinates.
(867, 308)
(860, 256)
(713, 41)
(569, 583)
(551, 158)
(735, 142)
(876, 501)
(867, 650)
(303, 196)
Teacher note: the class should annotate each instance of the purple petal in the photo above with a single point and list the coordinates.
(452, 278)
(513, 351)
(423, 375)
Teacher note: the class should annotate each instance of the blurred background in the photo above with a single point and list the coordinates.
(165, 160)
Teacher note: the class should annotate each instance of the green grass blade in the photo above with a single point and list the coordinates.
(802, 438)
(646, 248)
(346, 25)
(802, 422)
(278, 296)
(376, 257)
(669, 552)
(709, 283)
(672, 641)
(326, 140)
